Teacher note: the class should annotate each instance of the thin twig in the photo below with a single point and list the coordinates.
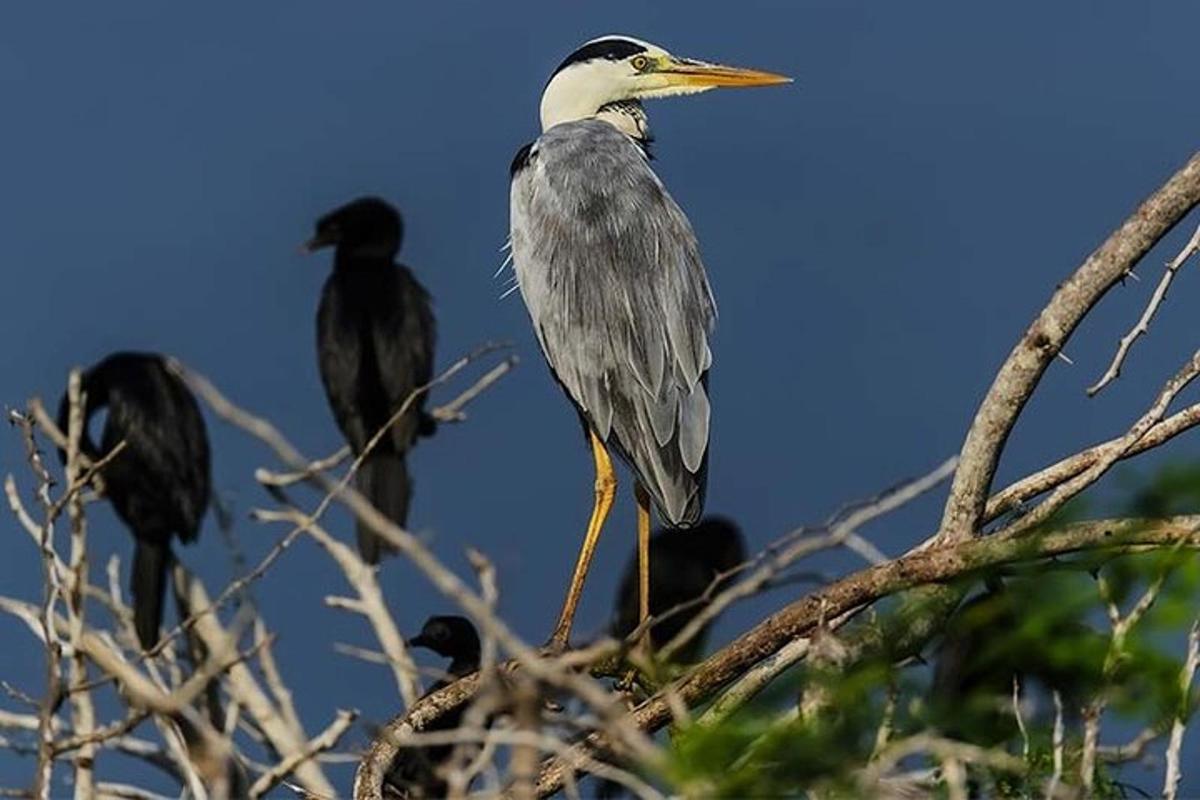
(1022, 371)
(753, 582)
(1174, 772)
(1013, 495)
(326, 740)
(1143, 324)
(1114, 450)
(1016, 707)
(83, 711)
(371, 603)
(1058, 742)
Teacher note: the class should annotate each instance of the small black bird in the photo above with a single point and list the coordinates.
(160, 483)
(375, 339)
(454, 638)
(413, 774)
(683, 564)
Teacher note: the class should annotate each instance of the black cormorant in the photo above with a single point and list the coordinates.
(159, 484)
(683, 564)
(375, 339)
(413, 773)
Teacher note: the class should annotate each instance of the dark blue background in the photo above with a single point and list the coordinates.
(878, 234)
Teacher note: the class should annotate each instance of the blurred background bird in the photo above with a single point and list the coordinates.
(159, 484)
(414, 771)
(684, 565)
(375, 342)
(610, 272)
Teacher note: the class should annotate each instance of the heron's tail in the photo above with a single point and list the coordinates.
(383, 479)
(148, 583)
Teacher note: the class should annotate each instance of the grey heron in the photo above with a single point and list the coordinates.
(610, 271)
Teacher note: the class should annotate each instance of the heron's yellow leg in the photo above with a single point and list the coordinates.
(606, 490)
(643, 546)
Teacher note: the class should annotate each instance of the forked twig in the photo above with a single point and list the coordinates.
(1143, 324)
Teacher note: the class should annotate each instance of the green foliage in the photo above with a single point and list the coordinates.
(1174, 490)
(1046, 623)
(759, 753)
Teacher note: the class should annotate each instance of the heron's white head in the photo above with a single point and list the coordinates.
(605, 73)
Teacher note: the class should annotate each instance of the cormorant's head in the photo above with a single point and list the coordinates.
(618, 71)
(365, 228)
(448, 636)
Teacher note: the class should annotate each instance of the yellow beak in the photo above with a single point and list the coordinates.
(698, 74)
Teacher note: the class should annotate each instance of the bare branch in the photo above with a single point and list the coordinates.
(944, 749)
(754, 681)
(368, 781)
(83, 711)
(933, 564)
(370, 604)
(1058, 742)
(326, 740)
(754, 582)
(1031, 486)
(1143, 324)
(453, 411)
(1016, 707)
(1112, 451)
(1179, 724)
(450, 412)
(1022, 371)
(245, 688)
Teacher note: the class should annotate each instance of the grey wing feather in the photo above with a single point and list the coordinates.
(610, 271)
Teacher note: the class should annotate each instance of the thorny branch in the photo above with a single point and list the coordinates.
(1022, 371)
(1143, 324)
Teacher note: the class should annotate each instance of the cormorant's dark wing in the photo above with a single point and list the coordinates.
(160, 482)
(167, 451)
(610, 271)
(340, 357)
(403, 336)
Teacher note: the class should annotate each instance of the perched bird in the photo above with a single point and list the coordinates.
(610, 272)
(684, 564)
(159, 484)
(375, 338)
(454, 638)
(413, 773)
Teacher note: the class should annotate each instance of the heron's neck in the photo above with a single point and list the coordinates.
(628, 117)
(575, 94)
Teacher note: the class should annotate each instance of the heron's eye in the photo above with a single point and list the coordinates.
(640, 63)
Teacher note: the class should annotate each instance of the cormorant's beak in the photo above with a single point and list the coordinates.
(418, 641)
(316, 243)
(684, 72)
